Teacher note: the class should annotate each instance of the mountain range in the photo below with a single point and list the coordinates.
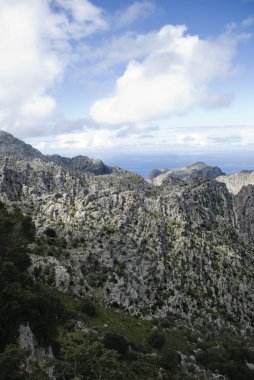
(177, 245)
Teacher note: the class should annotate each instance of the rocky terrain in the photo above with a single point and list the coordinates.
(182, 247)
(176, 249)
(199, 169)
(236, 181)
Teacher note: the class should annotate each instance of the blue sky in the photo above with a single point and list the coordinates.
(119, 78)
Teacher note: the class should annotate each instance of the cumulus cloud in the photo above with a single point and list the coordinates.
(174, 77)
(35, 47)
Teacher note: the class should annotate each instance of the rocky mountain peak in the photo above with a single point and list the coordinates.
(12, 147)
(198, 169)
(18, 150)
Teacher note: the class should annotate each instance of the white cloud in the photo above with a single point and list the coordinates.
(173, 77)
(191, 139)
(136, 11)
(87, 18)
(248, 21)
(86, 140)
(247, 136)
(35, 47)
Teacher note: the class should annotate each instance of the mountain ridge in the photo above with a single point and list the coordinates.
(16, 149)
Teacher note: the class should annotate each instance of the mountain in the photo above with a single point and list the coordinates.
(16, 149)
(179, 251)
(140, 236)
(199, 169)
(12, 147)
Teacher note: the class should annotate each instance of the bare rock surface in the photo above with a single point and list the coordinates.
(236, 181)
(199, 169)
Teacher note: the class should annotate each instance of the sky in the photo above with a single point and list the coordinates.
(147, 81)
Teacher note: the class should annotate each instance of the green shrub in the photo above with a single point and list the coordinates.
(89, 308)
(156, 340)
(116, 342)
(10, 363)
(91, 362)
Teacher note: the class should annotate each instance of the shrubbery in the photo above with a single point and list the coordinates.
(116, 342)
(21, 301)
(88, 308)
(156, 340)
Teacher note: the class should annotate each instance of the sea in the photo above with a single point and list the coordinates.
(143, 164)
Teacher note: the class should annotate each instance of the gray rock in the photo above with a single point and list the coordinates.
(236, 181)
(199, 169)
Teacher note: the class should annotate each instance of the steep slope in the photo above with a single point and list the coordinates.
(149, 250)
(12, 147)
(236, 181)
(46, 334)
(199, 169)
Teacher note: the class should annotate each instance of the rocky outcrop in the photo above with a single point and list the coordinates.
(236, 181)
(244, 206)
(36, 354)
(199, 169)
(81, 164)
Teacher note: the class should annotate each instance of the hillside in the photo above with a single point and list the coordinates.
(178, 255)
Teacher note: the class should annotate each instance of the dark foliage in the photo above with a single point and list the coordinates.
(50, 232)
(116, 342)
(89, 308)
(156, 340)
(20, 300)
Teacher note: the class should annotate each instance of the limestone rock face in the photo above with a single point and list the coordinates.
(37, 353)
(236, 181)
(199, 169)
(183, 248)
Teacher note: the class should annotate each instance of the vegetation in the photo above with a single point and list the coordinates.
(92, 342)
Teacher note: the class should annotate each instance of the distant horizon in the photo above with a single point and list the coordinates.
(143, 164)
